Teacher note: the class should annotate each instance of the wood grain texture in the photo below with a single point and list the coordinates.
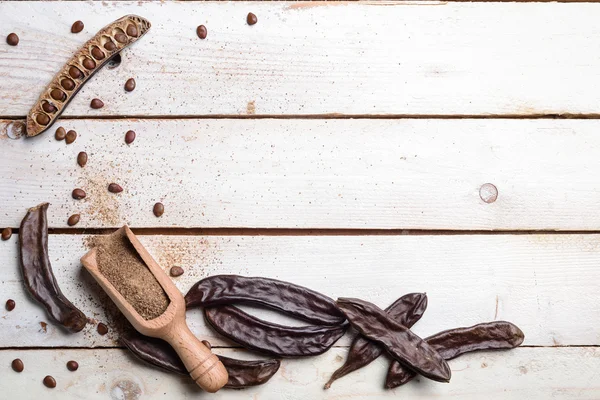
(532, 373)
(545, 284)
(382, 58)
(402, 174)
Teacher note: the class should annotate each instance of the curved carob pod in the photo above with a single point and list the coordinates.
(91, 57)
(37, 271)
(407, 310)
(454, 342)
(273, 339)
(398, 340)
(159, 353)
(289, 298)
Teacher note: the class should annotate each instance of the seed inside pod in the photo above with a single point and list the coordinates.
(251, 19)
(129, 137)
(73, 220)
(75, 73)
(131, 30)
(67, 84)
(78, 194)
(96, 103)
(6, 233)
(82, 159)
(158, 209)
(121, 38)
(49, 108)
(17, 365)
(97, 53)
(10, 305)
(49, 382)
(60, 134)
(114, 188)
(12, 39)
(71, 136)
(110, 46)
(72, 365)
(42, 119)
(88, 63)
(130, 85)
(58, 94)
(201, 32)
(77, 27)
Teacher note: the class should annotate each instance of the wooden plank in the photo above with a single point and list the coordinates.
(403, 174)
(546, 284)
(431, 58)
(532, 373)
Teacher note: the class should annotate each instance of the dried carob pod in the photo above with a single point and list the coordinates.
(273, 339)
(454, 342)
(159, 353)
(37, 271)
(91, 57)
(286, 297)
(407, 310)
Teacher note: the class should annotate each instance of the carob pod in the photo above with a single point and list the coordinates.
(289, 298)
(454, 342)
(160, 354)
(37, 271)
(407, 310)
(92, 56)
(273, 339)
(398, 340)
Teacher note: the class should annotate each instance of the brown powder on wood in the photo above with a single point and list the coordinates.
(121, 264)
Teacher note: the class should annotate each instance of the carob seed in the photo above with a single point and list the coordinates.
(114, 188)
(96, 103)
(73, 220)
(17, 365)
(74, 73)
(12, 39)
(110, 46)
(78, 194)
(102, 329)
(82, 159)
(71, 136)
(88, 63)
(207, 344)
(6, 233)
(131, 30)
(58, 94)
(130, 85)
(176, 271)
(67, 84)
(201, 32)
(251, 19)
(49, 382)
(60, 134)
(121, 38)
(129, 137)
(42, 119)
(10, 305)
(158, 209)
(77, 27)
(72, 365)
(97, 53)
(49, 108)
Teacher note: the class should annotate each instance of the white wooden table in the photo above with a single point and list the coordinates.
(341, 146)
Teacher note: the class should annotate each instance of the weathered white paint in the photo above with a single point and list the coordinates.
(546, 284)
(532, 373)
(421, 174)
(316, 58)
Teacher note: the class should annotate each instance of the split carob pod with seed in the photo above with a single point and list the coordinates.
(289, 298)
(454, 342)
(402, 344)
(407, 310)
(138, 285)
(159, 353)
(91, 57)
(273, 339)
(37, 271)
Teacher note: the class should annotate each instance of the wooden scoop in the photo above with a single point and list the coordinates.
(204, 367)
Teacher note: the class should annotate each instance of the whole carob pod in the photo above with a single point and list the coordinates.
(398, 340)
(407, 310)
(454, 342)
(37, 271)
(159, 353)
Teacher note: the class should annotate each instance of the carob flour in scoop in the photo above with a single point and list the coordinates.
(121, 264)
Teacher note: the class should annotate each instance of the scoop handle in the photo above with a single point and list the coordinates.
(204, 367)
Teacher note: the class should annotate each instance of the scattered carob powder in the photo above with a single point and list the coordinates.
(121, 264)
